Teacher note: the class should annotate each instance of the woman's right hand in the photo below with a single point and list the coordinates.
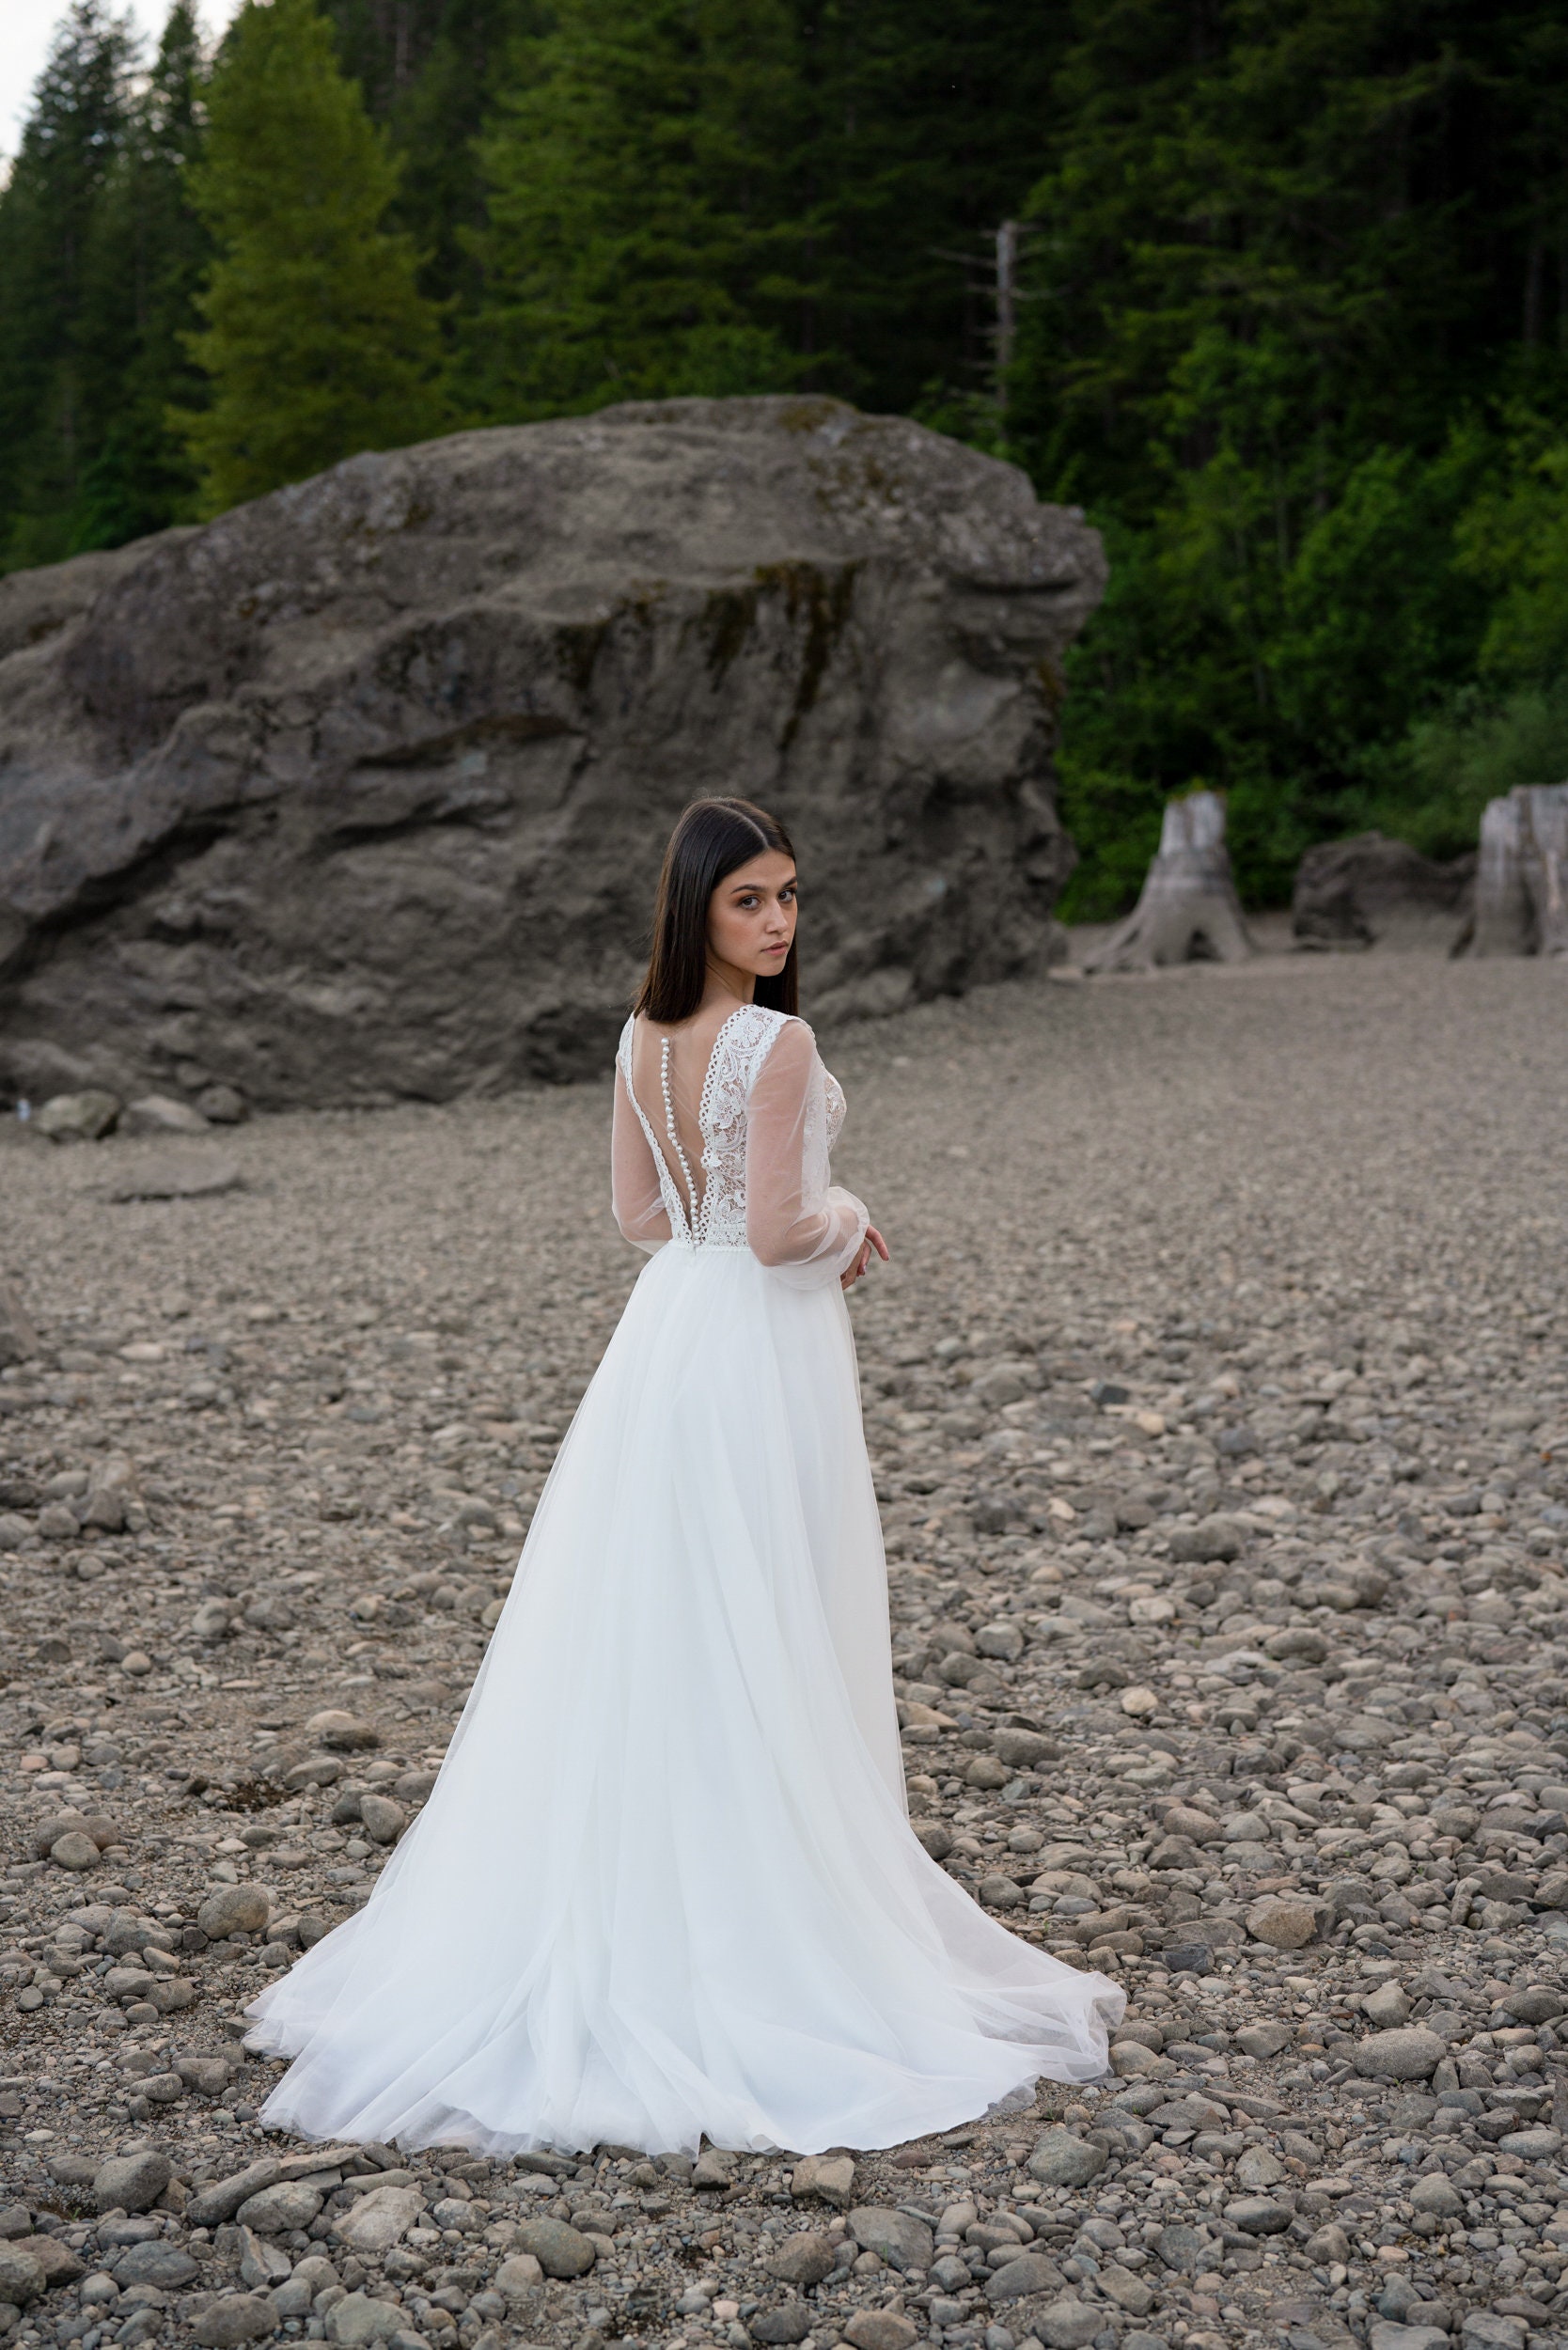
(873, 1239)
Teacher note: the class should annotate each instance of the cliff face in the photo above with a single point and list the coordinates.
(361, 790)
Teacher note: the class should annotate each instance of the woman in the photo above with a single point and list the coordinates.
(665, 1886)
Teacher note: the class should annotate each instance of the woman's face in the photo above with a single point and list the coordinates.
(751, 916)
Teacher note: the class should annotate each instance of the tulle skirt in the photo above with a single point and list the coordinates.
(665, 1886)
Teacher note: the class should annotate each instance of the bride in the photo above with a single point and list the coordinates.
(665, 1886)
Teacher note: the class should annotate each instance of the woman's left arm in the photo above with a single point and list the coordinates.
(795, 1221)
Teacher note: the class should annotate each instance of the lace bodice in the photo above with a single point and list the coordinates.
(769, 1114)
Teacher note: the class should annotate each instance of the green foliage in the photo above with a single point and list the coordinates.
(1449, 767)
(743, 195)
(146, 257)
(632, 173)
(317, 339)
(430, 71)
(1294, 325)
(1288, 257)
(1513, 540)
(82, 113)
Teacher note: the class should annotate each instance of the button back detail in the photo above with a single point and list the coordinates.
(718, 1218)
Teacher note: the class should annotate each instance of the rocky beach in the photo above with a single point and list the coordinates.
(1217, 1401)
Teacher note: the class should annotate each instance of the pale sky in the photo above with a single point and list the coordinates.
(25, 27)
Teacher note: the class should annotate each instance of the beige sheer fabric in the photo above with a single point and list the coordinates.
(721, 1137)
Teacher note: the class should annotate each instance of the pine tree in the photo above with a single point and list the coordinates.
(69, 148)
(316, 340)
(147, 255)
(923, 133)
(699, 194)
(436, 113)
(635, 206)
(430, 71)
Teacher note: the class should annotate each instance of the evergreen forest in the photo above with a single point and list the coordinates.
(1277, 290)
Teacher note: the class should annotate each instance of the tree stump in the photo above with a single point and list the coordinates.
(1522, 879)
(1189, 911)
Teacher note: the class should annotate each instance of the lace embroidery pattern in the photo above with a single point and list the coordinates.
(739, 1048)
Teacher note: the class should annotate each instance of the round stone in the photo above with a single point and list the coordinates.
(895, 2236)
(75, 1850)
(789, 2322)
(1539, 2143)
(1068, 2324)
(1258, 2215)
(1059, 2159)
(1129, 2058)
(879, 2329)
(158, 2263)
(1031, 2272)
(383, 1819)
(344, 1732)
(1412, 2054)
(277, 2209)
(379, 2219)
(130, 2182)
(234, 1910)
(239, 2317)
(21, 2277)
(560, 2249)
(357, 2320)
(804, 2260)
(1285, 1925)
(518, 2276)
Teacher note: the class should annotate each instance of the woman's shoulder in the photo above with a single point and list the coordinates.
(765, 1023)
(777, 1040)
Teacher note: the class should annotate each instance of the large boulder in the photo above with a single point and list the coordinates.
(1370, 889)
(360, 790)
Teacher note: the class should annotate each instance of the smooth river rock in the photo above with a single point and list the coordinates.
(1412, 2054)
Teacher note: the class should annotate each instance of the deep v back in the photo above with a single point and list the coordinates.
(691, 1106)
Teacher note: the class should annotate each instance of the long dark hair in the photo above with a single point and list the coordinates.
(711, 838)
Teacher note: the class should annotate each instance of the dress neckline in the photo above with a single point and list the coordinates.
(665, 1036)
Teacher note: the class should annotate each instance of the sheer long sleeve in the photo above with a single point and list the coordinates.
(808, 1229)
(635, 1193)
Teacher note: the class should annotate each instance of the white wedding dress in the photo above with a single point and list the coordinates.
(665, 1886)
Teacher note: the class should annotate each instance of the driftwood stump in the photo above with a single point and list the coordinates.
(1522, 880)
(1189, 911)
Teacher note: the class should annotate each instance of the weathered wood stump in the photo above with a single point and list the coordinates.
(1189, 911)
(1522, 879)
